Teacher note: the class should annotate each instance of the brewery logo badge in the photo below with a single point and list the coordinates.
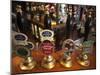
(30, 45)
(47, 35)
(47, 47)
(20, 39)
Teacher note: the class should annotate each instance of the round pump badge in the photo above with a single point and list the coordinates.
(47, 35)
(68, 43)
(47, 47)
(22, 51)
(30, 45)
(21, 36)
(20, 39)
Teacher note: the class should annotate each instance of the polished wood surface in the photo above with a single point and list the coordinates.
(38, 56)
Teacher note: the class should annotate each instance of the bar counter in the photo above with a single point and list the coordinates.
(38, 56)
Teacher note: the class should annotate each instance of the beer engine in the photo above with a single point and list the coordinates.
(22, 49)
(47, 48)
(27, 63)
(83, 58)
(66, 59)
